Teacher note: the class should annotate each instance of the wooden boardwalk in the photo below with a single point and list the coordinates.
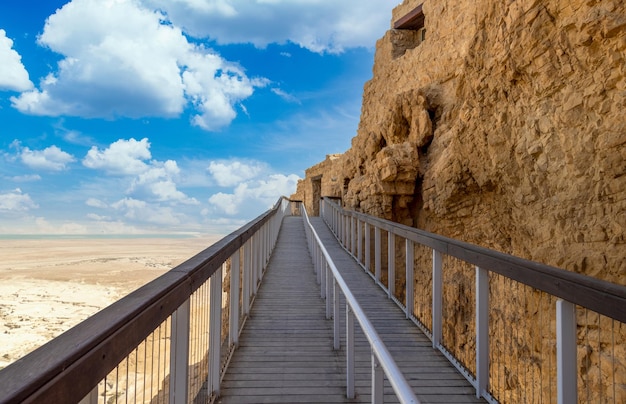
(285, 351)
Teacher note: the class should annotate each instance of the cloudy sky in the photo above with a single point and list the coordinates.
(167, 116)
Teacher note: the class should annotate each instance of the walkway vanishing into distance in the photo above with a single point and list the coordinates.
(280, 311)
(286, 353)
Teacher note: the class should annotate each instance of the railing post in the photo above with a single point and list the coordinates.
(410, 261)
(328, 286)
(437, 298)
(246, 287)
(353, 234)
(235, 273)
(377, 381)
(377, 258)
(349, 352)
(391, 264)
(566, 352)
(359, 237)
(322, 278)
(336, 338)
(179, 354)
(482, 331)
(368, 254)
(215, 331)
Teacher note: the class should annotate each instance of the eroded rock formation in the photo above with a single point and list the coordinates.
(505, 128)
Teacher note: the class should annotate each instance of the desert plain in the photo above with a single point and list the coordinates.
(49, 285)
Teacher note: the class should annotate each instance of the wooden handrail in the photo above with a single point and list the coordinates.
(70, 365)
(603, 297)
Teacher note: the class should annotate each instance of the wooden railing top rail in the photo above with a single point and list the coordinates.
(603, 297)
(78, 359)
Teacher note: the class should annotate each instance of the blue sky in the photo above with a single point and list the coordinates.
(167, 116)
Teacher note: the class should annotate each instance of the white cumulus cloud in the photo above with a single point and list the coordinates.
(124, 59)
(263, 191)
(16, 201)
(123, 157)
(231, 173)
(51, 158)
(13, 74)
(317, 25)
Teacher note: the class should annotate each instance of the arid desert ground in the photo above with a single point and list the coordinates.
(49, 285)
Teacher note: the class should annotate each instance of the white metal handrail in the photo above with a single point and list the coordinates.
(570, 290)
(382, 361)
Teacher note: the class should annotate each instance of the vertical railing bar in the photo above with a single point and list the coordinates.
(437, 299)
(349, 352)
(328, 287)
(235, 273)
(359, 237)
(377, 255)
(391, 266)
(377, 381)
(336, 338)
(482, 331)
(353, 234)
(215, 329)
(179, 353)
(566, 352)
(409, 278)
(368, 254)
(323, 274)
(246, 279)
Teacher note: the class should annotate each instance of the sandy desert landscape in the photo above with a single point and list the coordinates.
(49, 285)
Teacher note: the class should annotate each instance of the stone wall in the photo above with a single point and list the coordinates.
(504, 128)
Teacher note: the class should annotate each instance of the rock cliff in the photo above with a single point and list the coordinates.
(503, 127)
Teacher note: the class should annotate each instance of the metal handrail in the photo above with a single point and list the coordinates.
(400, 386)
(603, 297)
(68, 367)
(571, 289)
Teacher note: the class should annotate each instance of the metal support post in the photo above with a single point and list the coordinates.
(246, 287)
(367, 247)
(409, 277)
(215, 331)
(391, 264)
(233, 323)
(179, 354)
(349, 352)
(482, 331)
(336, 338)
(437, 298)
(377, 381)
(359, 238)
(329, 275)
(566, 352)
(377, 263)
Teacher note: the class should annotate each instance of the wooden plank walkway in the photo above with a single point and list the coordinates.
(285, 352)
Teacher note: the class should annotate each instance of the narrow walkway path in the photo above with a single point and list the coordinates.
(433, 378)
(285, 352)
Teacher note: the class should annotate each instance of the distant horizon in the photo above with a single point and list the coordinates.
(181, 116)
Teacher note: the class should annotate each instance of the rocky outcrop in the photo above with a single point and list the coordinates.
(505, 128)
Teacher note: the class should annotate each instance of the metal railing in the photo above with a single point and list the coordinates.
(519, 331)
(168, 341)
(382, 361)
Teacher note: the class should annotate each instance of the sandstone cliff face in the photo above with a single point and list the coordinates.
(504, 128)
